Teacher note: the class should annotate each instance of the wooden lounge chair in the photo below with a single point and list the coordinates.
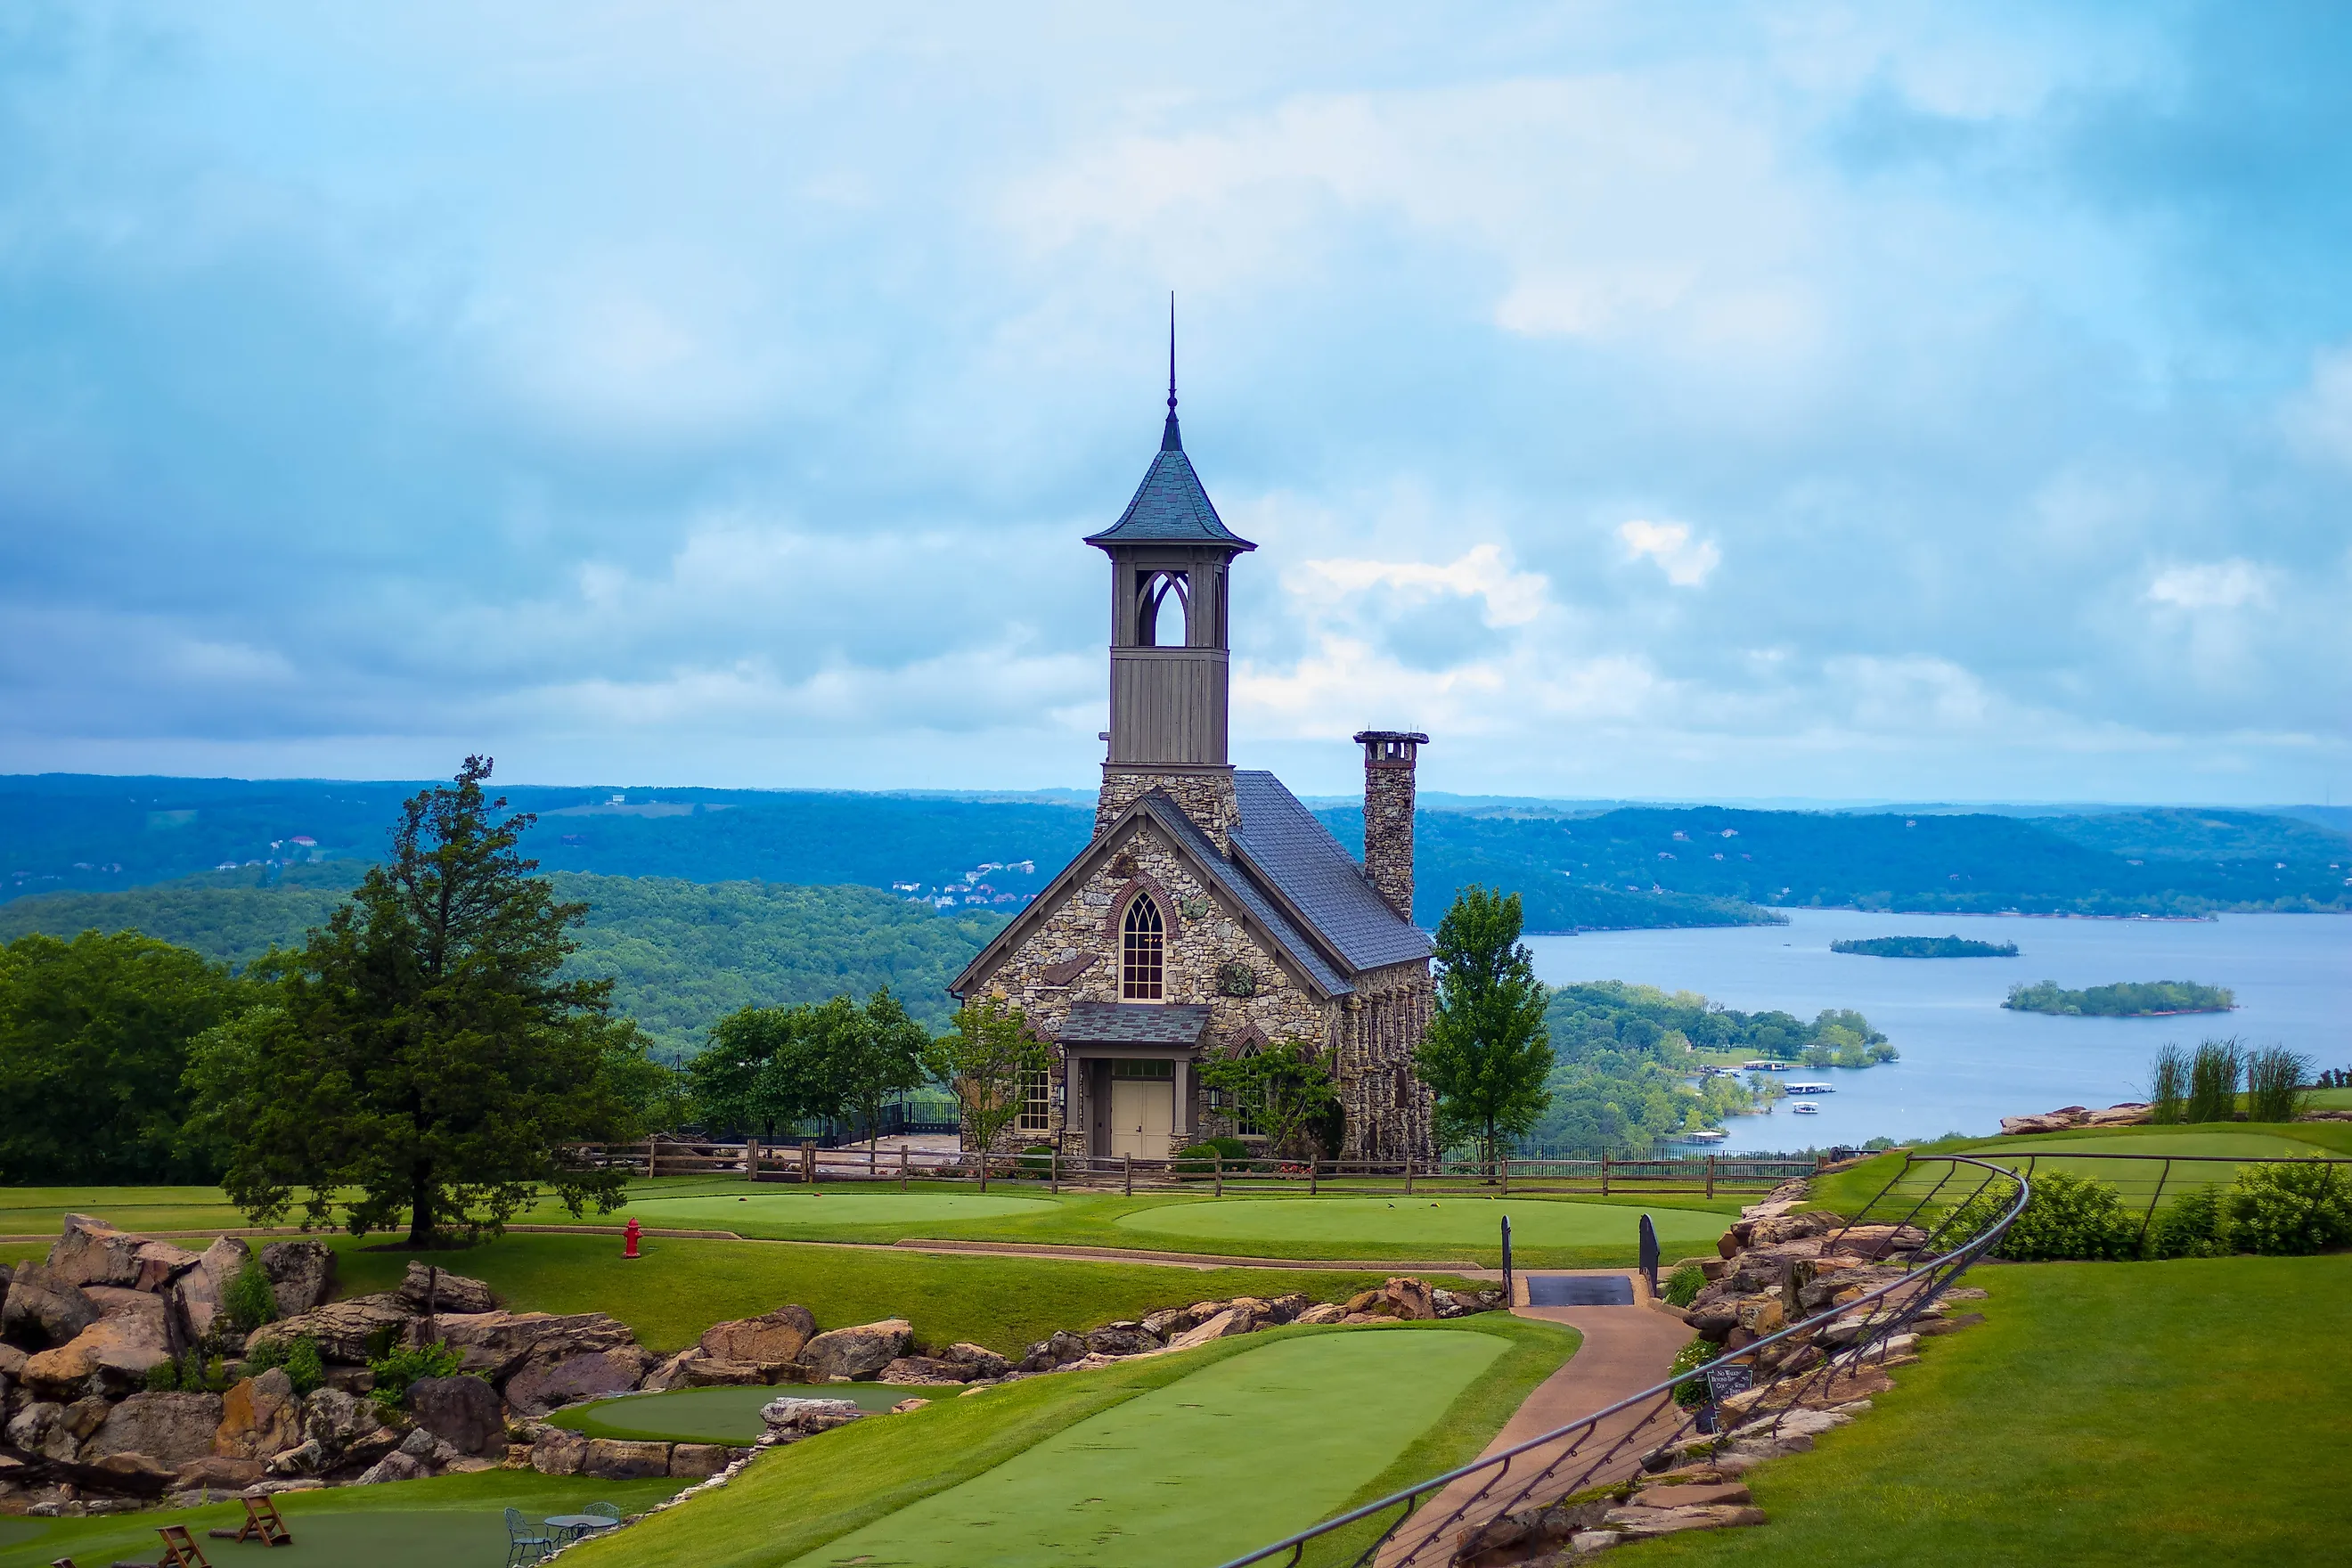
(262, 1524)
(180, 1548)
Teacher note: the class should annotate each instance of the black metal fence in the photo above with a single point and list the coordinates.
(1420, 1526)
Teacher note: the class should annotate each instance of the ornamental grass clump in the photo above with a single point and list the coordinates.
(250, 1299)
(1684, 1285)
(2214, 1081)
(2274, 1091)
(2069, 1216)
(2167, 1086)
(2291, 1207)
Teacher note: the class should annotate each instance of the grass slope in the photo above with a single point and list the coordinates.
(2142, 1414)
(451, 1521)
(796, 1501)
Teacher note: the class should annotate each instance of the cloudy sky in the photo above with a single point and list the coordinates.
(1835, 401)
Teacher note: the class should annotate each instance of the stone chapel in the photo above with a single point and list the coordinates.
(1212, 913)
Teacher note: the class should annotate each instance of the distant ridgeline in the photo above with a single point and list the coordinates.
(2149, 999)
(1633, 867)
(1924, 947)
(683, 954)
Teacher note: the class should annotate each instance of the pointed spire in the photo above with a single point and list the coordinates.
(1171, 439)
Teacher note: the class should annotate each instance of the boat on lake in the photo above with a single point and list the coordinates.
(1705, 1135)
(1810, 1088)
(1804, 1111)
(1766, 1066)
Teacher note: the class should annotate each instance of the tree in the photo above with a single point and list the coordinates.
(982, 1062)
(872, 1053)
(424, 1048)
(1488, 1053)
(758, 1070)
(1286, 1089)
(94, 1036)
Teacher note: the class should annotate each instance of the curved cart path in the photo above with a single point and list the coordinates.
(1626, 1351)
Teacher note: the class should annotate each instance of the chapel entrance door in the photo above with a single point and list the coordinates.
(1142, 1109)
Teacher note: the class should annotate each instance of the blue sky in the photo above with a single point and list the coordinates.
(1869, 400)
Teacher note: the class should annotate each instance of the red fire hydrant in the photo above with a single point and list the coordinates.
(630, 1235)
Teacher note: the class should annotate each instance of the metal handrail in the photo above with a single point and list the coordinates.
(1937, 1275)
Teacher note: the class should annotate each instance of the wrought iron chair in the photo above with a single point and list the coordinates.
(523, 1546)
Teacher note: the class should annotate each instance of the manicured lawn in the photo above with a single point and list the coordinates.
(799, 1502)
(2141, 1415)
(1248, 1223)
(1234, 1455)
(681, 1288)
(801, 1211)
(721, 1414)
(453, 1522)
(41, 1211)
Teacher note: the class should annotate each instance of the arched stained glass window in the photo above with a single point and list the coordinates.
(1140, 952)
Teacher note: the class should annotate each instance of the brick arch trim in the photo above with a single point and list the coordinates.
(1244, 1038)
(1134, 888)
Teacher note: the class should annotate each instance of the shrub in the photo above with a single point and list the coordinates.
(2274, 1091)
(1698, 1353)
(2071, 1217)
(163, 1377)
(1684, 1285)
(304, 1366)
(1197, 1160)
(2167, 1086)
(1955, 1227)
(250, 1299)
(263, 1356)
(2291, 1207)
(2194, 1224)
(1035, 1162)
(404, 1364)
(2214, 1081)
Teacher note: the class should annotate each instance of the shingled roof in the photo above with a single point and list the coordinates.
(1169, 505)
(1288, 844)
(1134, 1023)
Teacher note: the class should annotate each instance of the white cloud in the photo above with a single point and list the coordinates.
(2216, 585)
(1686, 561)
(2318, 418)
(1512, 597)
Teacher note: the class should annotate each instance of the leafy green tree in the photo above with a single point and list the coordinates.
(872, 1053)
(94, 1036)
(765, 1068)
(982, 1062)
(1488, 1053)
(1284, 1089)
(423, 1050)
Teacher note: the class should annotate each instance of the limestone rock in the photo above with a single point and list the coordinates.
(908, 1406)
(924, 1368)
(699, 1461)
(1122, 1340)
(705, 1373)
(556, 1375)
(676, 1372)
(1697, 1496)
(1644, 1522)
(463, 1412)
(214, 1473)
(1060, 1349)
(1873, 1241)
(978, 1360)
(30, 1428)
(301, 1275)
(424, 1445)
(497, 1345)
(201, 1294)
(773, 1336)
(394, 1466)
(1172, 1321)
(1328, 1313)
(260, 1418)
(160, 1263)
(347, 1428)
(613, 1460)
(342, 1328)
(12, 1363)
(797, 1417)
(113, 1355)
(859, 1352)
(89, 1252)
(44, 1308)
(171, 1428)
(1401, 1298)
(443, 1291)
(1286, 1308)
(559, 1453)
(1230, 1321)
(133, 1472)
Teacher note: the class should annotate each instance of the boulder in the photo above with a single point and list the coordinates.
(463, 1412)
(559, 1453)
(979, 1361)
(2132, 1113)
(773, 1336)
(428, 1447)
(1122, 1340)
(555, 1376)
(301, 1275)
(675, 1372)
(925, 1369)
(1172, 1321)
(859, 1352)
(260, 1418)
(699, 1461)
(30, 1428)
(12, 1362)
(495, 1345)
(791, 1418)
(44, 1309)
(113, 1355)
(1874, 1241)
(171, 1428)
(202, 1293)
(135, 1472)
(1401, 1298)
(705, 1373)
(1329, 1313)
(429, 1288)
(160, 1263)
(348, 1429)
(1062, 1347)
(1231, 1320)
(214, 1473)
(394, 1466)
(1286, 1308)
(612, 1460)
(89, 1252)
(342, 1328)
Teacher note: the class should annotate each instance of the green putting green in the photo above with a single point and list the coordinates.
(1238, 1454)
(724, 1415)
(2229, 1145)
(804, 1210)
(1468, 1222)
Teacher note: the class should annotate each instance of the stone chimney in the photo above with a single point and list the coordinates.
(1388, 813)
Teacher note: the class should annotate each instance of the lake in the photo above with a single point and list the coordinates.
(1966, 1060)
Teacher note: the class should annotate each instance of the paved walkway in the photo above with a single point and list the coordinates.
(1626, 1351)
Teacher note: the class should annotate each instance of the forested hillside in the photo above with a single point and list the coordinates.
(684, 954)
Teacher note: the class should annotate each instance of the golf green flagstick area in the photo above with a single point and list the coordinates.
(2138, 1415)
(451, 1521)
(1248, 1223)
(1383, 1409)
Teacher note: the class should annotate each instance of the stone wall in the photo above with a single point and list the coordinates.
(1388, 826)
(1205, 793)
(1389, 1110)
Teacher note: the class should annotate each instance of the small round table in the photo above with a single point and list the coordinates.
(575, 1525)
